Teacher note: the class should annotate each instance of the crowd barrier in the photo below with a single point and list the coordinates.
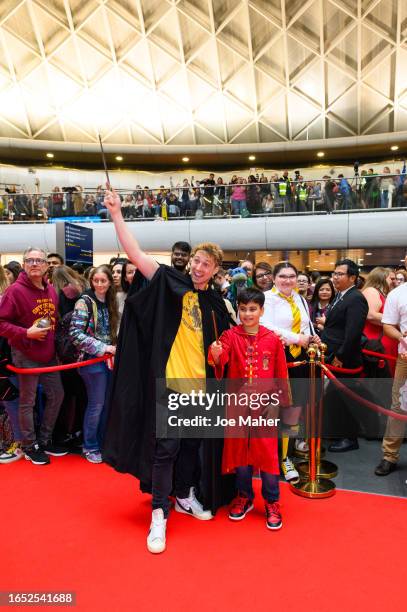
(316, 473)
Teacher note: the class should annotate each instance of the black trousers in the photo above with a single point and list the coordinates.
(175, 468)
(345, 417)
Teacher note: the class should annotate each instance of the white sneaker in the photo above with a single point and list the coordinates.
(13, 453)
(93, 456)
(289, 471)
(301, 445)
(156, 535)
(190, 505)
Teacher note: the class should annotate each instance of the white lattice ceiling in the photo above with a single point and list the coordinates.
(201, 71)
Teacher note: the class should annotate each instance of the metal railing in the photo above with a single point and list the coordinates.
(204, 200)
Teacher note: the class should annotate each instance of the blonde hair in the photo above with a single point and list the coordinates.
(377, 279)
(213, 250)
(3, 281)
(63, 275)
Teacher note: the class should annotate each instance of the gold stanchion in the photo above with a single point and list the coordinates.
(325, 469)
(311, 486)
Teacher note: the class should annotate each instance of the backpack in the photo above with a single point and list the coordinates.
(66, 350)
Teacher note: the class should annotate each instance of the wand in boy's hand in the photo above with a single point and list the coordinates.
(215, 327)
(104, 162)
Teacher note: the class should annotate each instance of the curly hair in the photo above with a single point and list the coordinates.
(213, 250)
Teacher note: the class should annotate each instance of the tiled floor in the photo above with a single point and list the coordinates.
(356, 470)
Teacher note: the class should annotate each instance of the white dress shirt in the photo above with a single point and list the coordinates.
(279, 318)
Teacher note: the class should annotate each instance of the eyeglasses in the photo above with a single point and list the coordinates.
(339, 274)
(259, 276)
(31, 261)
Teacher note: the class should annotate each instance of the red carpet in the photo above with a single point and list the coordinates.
(73, 526)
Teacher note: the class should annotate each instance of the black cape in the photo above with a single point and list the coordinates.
(150, 322)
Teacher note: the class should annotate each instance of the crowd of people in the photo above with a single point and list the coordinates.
(192, 320)
(210, 197)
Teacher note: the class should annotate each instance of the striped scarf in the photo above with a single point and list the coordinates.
(294, 349)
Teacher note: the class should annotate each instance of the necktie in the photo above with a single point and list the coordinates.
(294, 349)
(338, 297)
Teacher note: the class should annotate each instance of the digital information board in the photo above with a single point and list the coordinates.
(75, 242)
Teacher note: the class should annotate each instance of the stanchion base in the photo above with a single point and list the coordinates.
(314, 490)
(325, 469)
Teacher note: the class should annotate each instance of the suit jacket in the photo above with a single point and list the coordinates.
(343, 328)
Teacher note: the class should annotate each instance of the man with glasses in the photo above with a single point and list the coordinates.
(342, 334)
(28, 313)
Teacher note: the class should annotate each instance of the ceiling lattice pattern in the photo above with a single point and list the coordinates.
(201, 71)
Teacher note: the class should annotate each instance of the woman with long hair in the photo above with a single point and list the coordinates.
(121, 295)
(94, 331)
(12, 269)
(286, 313)
(128, 272)
(69, 285)
(323, 296)
(3, 281)
(377, 286)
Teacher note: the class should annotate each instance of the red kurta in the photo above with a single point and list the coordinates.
(253, 359)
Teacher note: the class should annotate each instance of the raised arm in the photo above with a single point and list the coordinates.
(145, 263)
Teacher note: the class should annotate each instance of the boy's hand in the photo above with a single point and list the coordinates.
(216, 351)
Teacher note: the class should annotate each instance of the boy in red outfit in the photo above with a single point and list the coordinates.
(255, 355)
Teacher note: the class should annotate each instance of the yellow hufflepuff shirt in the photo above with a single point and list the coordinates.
(187, 356)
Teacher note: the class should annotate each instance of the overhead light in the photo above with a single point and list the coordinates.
(394, 148)
(320, 154)
(50, 155)
(252, 157)
(368, 253)
(119, 158)
(316, 260)
(185, 159)
(332, 263)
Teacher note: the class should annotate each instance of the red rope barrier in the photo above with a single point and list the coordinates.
(380, 355)
(344, 370)
(295, 364)
(361, 400)
(57, 368)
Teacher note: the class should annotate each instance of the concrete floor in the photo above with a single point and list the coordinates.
(356, 470)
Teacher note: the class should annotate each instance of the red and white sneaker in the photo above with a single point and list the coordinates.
(239, 507)
(273, 515)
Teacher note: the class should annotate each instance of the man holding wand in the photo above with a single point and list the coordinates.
(165, 333)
